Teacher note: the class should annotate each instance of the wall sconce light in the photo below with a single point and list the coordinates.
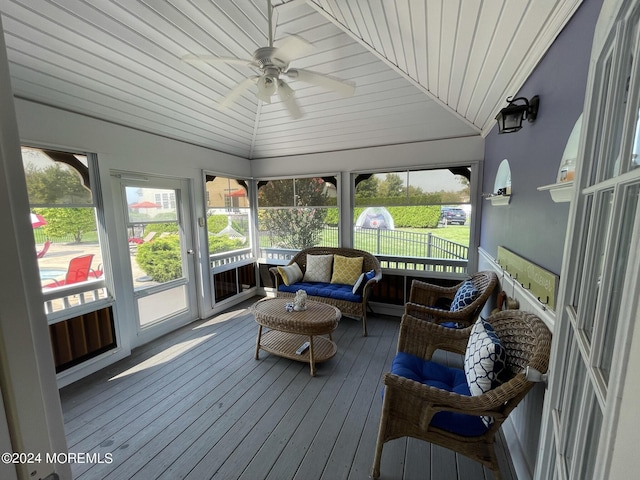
(510, 117)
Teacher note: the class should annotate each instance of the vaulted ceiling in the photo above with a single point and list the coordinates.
(423, 69)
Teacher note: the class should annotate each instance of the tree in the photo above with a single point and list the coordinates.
(55, 185)
(466, 191)
(300, 223)
(68, 221)
(392, 186)
(368, 188)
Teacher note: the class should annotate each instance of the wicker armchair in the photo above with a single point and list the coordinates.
(409, 406)
(425, 300)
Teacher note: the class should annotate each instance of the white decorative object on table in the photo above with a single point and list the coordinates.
(300, 301)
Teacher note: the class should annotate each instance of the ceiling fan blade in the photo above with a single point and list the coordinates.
(238, 90)
(292, 107)
(342, 87)
(292, 47)
(211, 59)
(288, 98)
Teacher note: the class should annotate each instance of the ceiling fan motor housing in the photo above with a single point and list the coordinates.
(265, 58)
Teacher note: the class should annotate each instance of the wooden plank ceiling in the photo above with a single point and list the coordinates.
(423, 69)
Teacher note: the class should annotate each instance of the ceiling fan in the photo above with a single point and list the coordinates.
(273, 64)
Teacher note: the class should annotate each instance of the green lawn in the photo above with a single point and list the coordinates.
(454, 233)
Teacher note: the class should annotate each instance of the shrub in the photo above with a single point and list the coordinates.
(332, 217)
(216, 223)
(409, 217)
(161, 258)
(161, 228)
(223, 244)
(415, 217)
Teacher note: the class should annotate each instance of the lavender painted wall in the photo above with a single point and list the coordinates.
(532, 225)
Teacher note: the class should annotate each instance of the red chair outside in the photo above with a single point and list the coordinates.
(97, 273)
(45, 249)
(77, 271)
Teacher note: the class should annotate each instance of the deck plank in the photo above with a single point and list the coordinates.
(343, 452)
(197, 404)
(363, 461)
(83, 396)
(231, 454)
(302, 440)
(418, 461)
(157, 380)
(266, 444)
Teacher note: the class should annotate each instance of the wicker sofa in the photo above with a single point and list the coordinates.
(351, 305)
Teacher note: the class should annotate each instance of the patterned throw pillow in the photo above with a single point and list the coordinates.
(290, 274)
(346, 270)
(485, 360)
(465, 296)
(318, 268)
(358, 287)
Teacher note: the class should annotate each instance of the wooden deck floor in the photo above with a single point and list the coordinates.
(196, 404)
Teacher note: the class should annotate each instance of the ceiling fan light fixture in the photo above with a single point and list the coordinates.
(285, 92)
(266, 88)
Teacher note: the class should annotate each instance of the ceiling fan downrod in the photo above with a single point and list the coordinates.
(270, 15)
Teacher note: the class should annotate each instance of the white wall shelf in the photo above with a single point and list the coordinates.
(498, 200)
(560, 192)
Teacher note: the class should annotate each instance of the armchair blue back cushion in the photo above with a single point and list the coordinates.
(465, 296)
(445, 378)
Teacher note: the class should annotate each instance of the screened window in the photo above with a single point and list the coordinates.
(227, 214)
(417, 213)
(63, 217)
(297, 213)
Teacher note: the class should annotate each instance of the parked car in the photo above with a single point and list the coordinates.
(452, 216)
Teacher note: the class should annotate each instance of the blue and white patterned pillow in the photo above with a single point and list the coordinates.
(465, 296)
(485, 360)
(358, 287)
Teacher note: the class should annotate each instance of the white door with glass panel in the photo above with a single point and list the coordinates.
(161, 256)
(599, 288)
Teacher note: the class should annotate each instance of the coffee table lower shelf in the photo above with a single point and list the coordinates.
(285, 344)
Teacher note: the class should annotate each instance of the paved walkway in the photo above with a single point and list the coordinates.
(59, 255)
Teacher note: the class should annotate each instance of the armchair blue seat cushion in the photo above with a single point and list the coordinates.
(327, 290)
(445, 378)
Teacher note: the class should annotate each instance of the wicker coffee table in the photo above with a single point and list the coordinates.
(288, 331)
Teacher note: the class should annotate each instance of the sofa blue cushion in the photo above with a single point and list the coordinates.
(326, 290)
(444, 378)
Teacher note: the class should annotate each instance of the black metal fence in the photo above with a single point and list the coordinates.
(408, 244)
(41, 237)
(390, 242)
